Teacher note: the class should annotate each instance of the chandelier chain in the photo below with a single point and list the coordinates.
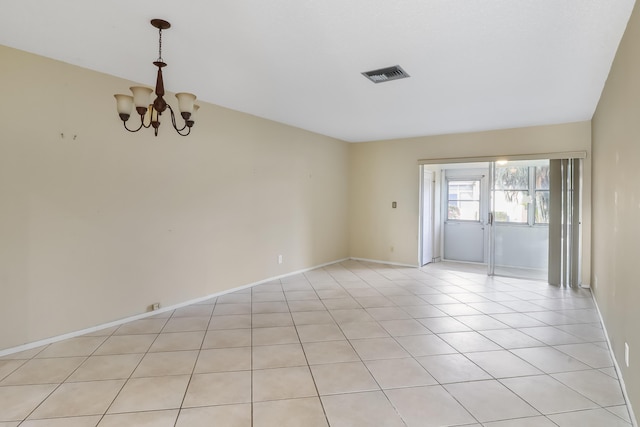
(160, 45)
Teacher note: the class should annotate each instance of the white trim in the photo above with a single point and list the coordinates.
(615, 363)
(384, 262)
(118, 322)
(508, 157)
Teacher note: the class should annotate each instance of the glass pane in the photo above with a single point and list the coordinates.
(542, 177)
(511, 206)
(542, 207)
(464, 190)
(464, 210)
(512, 178)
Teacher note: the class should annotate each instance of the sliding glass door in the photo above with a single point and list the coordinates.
(519, 219)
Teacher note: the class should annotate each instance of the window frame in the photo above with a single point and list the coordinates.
(478, 200)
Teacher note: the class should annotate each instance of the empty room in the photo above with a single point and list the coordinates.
(332, 214)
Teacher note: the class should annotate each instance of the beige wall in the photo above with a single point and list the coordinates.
(386, 171)
(616, 204)
(96, 223)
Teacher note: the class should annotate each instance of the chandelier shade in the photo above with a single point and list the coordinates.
(150, 112)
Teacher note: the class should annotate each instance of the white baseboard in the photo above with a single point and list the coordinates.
(119, 322)
(615, 363)
(375, 261)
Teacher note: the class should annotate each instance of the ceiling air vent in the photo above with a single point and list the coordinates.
(386, 74)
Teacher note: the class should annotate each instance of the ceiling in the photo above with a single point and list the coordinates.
(474, 64)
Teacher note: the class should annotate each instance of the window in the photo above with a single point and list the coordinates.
(463, 200)
(521, 194)
(541, 187)
(512, 194)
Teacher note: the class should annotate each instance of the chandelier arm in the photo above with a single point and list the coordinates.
(173, 122)
(133, 130)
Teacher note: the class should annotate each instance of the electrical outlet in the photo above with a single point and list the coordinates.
(280, 261)
(626, 354)
(155, 306)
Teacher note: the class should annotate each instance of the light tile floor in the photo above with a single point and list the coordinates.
(352, 344)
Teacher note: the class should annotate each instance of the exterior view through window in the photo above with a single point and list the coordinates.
(521, 194)
(464, 200)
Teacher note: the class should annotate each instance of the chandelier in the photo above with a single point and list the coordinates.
(150, 112)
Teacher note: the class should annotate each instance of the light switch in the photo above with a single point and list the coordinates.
(394, 205)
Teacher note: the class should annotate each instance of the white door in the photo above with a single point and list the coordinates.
(464, 218)
(428, 187)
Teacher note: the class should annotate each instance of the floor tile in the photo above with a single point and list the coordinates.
(270, 307)
(592, 355)
(141, 419)
(329, 352)
(551, 336)
(378, 348)
(186, 324)
(322, 332)
(396, 373)
(621, 411)
(305, 412)
(8, 366)
(401, 328)
(282, 383)
(86, 421)
(16, 402)
(591, 418)
(423, 311)
(111, 367)
(231, 321)
(347, 377)
(178, 341)
(123, 344)
(276, 335)
(278, 356)
(77, 399)
(482, 322)
(358, 330)
(231, 309)
(221, 388)
(142, 326)
(340, 303)
(79, 346)
(469, 341)
(312, 317)
(517, 320)
(502, 364)
(265, 320)
(428, 407)
(43, 371)
(371, 409)
(195, 310)
(549, 360)
(149, 394)
(351, 315)
(166, 363)
(523, 422)
(511, 338)
(295, 306)
(425, 345)
(225, 338)
(594, 385)
(490, 401)
(223, 360)
(224, 415)
(439, 325)
(548, 395)
(452, 368)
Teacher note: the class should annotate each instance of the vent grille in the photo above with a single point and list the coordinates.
(386, 74)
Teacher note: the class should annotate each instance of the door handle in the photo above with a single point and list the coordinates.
(490, 222)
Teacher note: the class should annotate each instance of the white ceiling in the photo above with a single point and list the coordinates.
(474, 64)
